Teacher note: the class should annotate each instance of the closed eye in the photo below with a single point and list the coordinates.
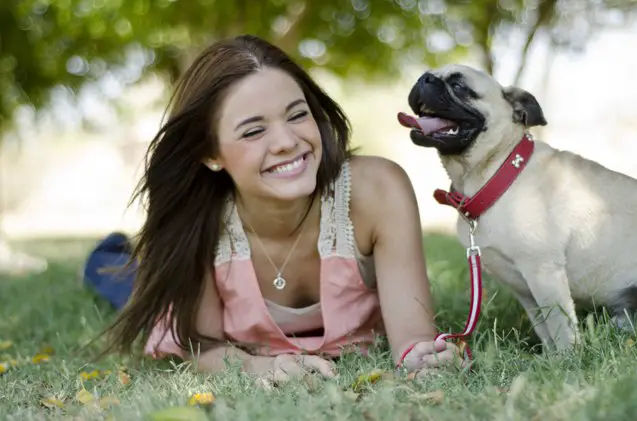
(252, 132)
(298, 116)
(258, 130)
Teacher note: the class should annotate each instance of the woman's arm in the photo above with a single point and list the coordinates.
(210, 323)
(214, 360)
(384, 200)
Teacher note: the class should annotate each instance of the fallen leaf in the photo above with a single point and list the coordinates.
(203, 399)
(179, 413)
(47, 349)
(123, 377)
(5, 345)
(107, 401)
(40, 358)
(84, 396)
(369, 378)
(52, 402)
(435, 397)
(89, 375)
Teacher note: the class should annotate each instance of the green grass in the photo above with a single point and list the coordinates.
(513, 380)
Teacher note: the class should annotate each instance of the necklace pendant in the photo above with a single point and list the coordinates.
(279, 282)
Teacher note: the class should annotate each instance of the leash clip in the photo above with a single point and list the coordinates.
(473, 249)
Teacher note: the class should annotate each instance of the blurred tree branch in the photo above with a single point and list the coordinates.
(48, 44)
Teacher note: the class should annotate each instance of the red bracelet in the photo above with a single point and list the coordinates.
(404, 354)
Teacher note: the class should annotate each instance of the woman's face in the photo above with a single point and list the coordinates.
(269, 142)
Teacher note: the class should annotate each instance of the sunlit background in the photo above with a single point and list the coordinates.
(84, 85)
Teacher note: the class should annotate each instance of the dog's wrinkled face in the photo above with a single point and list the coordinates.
(458, 104)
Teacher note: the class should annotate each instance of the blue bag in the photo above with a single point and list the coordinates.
(105, 270)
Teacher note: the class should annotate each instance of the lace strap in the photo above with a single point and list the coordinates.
(233, 243)
(342, 221)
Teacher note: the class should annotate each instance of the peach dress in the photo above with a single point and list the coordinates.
(348, 312)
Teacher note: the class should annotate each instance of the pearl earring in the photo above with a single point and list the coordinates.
(215, 167)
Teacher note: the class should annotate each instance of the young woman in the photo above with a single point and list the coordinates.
(266, 240)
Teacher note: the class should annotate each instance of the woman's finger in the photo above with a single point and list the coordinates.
(292, 368)
(279, 376)
(440, 359)
(324, 367)
(429, 347)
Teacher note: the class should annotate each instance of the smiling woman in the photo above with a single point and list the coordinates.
(255, 153)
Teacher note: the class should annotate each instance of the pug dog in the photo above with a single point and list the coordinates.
(562, 232)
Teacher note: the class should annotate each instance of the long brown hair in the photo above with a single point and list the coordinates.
(184, 200)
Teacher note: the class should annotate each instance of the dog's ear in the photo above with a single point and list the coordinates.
(526, 109)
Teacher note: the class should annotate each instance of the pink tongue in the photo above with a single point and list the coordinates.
(427, 125)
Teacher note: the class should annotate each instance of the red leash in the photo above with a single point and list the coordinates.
(475, 274)
(471, 208)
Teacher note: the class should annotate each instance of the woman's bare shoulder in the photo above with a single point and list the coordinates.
(375, 177)
(380, 191)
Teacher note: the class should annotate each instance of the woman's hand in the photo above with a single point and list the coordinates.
(433, 354)
(286, 366)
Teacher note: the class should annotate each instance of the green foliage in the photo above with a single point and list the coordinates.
(47, 44)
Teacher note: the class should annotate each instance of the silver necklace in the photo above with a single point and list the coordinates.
(279, 281)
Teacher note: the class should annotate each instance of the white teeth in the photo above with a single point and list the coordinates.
(452, 131)
(287, 167)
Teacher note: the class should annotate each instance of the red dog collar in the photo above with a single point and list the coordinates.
(473, 207)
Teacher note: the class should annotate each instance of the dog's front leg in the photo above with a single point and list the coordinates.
(549, 285)
(536, 318)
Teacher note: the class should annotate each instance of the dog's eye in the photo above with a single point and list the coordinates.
(456, 86)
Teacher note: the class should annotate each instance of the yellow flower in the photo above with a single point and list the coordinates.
(4, 367)
(5, 345)
(89, 375)
(202, 399)
(47, 349)
(40, 358)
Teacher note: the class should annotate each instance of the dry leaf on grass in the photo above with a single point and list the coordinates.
(84, 397)
(6, 365)
(108, 401)
(40, 358)
(369, 378)
(201, 399)
(88, 399)
(89, 375)
(123, 377)
(179, 413)
(435, 397)
(47, 349)
(52, 402)
(5, 345)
